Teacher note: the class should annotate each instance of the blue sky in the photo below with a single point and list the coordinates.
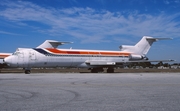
(91, 24)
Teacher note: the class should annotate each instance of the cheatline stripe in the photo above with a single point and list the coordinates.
(41, 51)
(54, 52)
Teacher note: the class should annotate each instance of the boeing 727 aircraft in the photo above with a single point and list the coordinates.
(47, 55)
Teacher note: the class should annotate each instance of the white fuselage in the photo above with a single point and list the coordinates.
(38, 57)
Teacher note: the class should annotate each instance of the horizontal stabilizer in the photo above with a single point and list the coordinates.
(156, 39)
(51, 44)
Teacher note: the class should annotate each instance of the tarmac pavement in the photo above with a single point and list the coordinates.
(90, 92)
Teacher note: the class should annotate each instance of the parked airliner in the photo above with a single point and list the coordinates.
(47, 55)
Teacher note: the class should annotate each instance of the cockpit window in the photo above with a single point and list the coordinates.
(16, 53)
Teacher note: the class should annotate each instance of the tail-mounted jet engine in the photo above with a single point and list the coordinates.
(137, 57)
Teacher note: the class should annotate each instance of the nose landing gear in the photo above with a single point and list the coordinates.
(27, 70)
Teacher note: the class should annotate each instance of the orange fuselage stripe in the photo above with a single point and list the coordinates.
(56, 51)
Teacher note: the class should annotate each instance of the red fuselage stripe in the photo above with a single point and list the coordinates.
(56, 51)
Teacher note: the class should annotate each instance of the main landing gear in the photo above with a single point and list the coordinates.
(97, 70)
(110, 70)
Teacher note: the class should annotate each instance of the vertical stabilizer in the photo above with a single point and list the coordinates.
(143, 46)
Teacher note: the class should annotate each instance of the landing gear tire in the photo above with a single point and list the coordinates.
(96, 70)
(27, 71)
(110, 70)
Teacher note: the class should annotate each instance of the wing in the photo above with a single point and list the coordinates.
(151, 61)
(113, 63)
(51, 44)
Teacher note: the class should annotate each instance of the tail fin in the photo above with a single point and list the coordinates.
(143, 46)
